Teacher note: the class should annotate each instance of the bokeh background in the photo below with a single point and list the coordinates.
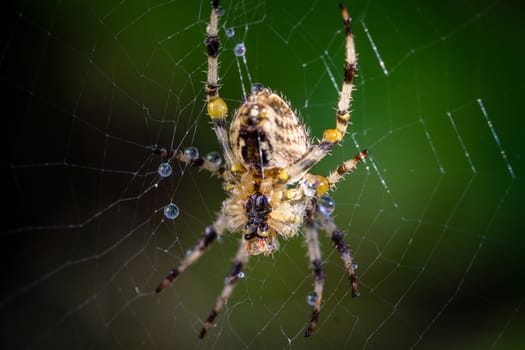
(434, 216)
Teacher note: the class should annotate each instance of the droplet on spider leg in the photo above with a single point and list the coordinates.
(230, 32)
(164, 169)
(220, 11)
(239, 50)
(238, 276)
(257, 87)
(311, 298)
(191, 152)
(326, 204)
(171, 211)
(214, 158)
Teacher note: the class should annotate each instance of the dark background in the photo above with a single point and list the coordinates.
(433, 217)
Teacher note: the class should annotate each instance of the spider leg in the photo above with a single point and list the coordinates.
(199, 162)
(345, 168)
(314, 251)
(210, 234)
(217, 108)
(336, 236)
(241, 258)
(332, 137)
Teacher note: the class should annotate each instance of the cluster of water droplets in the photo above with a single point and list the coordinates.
(171, 211)
(239, 50)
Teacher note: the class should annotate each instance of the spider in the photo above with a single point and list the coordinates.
(268, 154)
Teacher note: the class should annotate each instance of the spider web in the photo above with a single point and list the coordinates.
(432, 216)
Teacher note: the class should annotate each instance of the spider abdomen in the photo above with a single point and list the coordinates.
(266, 133)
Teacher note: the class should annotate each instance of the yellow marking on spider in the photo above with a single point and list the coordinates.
(332, 135)
(236, 168)
(217, 108)
(322, 185)
(283, 175)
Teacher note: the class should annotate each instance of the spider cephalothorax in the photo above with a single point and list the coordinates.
(270, 192)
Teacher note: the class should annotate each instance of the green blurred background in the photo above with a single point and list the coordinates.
(432, 217)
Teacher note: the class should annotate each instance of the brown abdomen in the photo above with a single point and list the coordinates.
(266, 133)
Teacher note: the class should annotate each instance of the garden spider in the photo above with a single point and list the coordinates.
(270, 192)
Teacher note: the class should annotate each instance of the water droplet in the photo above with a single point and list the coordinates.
(171, 211)
(311, 298)
(234, 278)
(326, 204)
(239, 50)
(257, 87)
(214, 157)
(355, 265)
(191, 152)
(220, 11)
(189, 252)
(164, 169)
(230, 32)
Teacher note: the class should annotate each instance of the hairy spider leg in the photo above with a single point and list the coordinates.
(241, 258)
(314, 251)
(345, 168)
(199, 162)
(210, 234)
(336, 235)
(332, 137)
(217, 108)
